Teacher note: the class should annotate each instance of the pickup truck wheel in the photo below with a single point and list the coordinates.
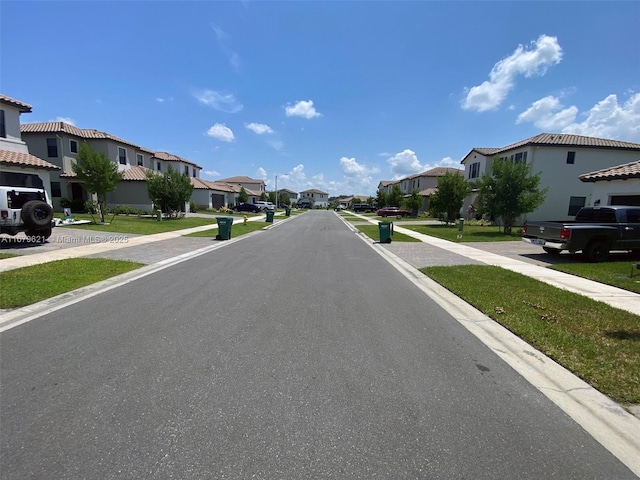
(37, 214)
(596, 251)
(552, 251)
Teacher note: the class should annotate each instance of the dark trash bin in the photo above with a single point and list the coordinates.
(287, 212)
(224, 228)
(386, 230)
(270, 214)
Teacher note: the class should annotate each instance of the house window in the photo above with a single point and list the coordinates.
(73, 146)
(3, 126)
(56, 191)
(122, 155)
(159, 166)
(575, 204)
(52, 147)
(139, 159)
(186, 170)
(474, 170)
(521, 157)
(571, 158)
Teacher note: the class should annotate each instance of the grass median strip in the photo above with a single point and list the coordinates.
(618, 274)
(372, 231)
(27, 285)
(139, 225)
(599, 343)
(470, 233)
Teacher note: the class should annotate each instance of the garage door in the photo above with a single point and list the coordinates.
(217, 200)
(633, 200)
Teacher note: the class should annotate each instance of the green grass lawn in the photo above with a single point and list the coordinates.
(27, 285)
(470, 233)
(617, 274)
(373, 232)
(599, 343)
(7, 255)
(140, 225)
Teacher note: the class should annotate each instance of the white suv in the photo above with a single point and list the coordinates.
(266, 205)
(26, 210)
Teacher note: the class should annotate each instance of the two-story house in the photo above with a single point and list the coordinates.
(20, 168)
(314, 198)
(59, 143)
(560, 159)
(254, 187)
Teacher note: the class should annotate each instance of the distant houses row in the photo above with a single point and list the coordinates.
(42, 155)
(576, 170)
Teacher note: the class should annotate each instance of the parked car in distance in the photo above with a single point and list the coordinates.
(340, 207)
(393, 212)
(247, 207)
(363, 207)
(265, 205)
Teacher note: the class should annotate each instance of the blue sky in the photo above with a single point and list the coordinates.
(325, 94)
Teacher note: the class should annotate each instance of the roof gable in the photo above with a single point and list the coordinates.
(619, 172)
(12, 102)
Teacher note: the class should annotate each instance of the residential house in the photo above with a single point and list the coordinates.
(18, 167)
(209, 194)
(619, 185)
(293, 196)
(316, 198)
(254, 187)
(386, 185)
(59, 143)
(560, 159)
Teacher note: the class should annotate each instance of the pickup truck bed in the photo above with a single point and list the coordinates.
(595, 232)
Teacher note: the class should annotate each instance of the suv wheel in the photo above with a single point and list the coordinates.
(37, 214)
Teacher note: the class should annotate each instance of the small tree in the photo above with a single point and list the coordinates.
(510, 191)
(283, 199)
(243, 196)
(263, 197)
(371, 201)
(449, 197)
(382, 200)
(414, 202)
(272, 197)
(395, 197)
(97, 174)
(170, 191)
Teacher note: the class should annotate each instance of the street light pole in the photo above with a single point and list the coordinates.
(276, 192)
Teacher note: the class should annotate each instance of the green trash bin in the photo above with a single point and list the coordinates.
(224, 228)
(386, 230)
(287, 212)
(270, 214)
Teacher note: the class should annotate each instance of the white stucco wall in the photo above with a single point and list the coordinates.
(604, 190)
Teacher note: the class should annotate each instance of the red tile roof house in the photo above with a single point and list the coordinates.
(619, 185)
(59, 142)
(561, 159)
(17, 166)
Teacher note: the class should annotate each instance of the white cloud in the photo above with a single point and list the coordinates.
(262, 173)
(404, 163)
(606, 119)
(221, 132)
(162, 100)
(232, 57)
(609, 119)
(303, 109)
(259, 128)
(68, 120)
(212, 173)
(548, 114)
(359, 173)
(224, 102)
(277, 145)
(528, 62)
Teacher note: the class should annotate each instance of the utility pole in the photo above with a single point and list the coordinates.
(276, 192)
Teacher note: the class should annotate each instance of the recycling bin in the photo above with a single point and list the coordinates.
(287, 212)
(386, 230)
(224, 228)
(270, 216)
(461, 224)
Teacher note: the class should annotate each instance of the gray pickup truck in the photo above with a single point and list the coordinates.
(595, 232)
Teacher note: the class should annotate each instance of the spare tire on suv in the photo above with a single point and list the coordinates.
(37, 215)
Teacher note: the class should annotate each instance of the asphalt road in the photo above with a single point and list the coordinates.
(295, 353)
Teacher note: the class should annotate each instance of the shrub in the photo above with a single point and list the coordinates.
(193, 206)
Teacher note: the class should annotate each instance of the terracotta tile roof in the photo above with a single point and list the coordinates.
(315, 190)
(133, 174)
(136, 174)
(437, 172)
(170, 157)
(562, 139)
(62, 127)
(427, 191)
(23, 107)
(619, 172)
(19, 159)
(240, 179)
